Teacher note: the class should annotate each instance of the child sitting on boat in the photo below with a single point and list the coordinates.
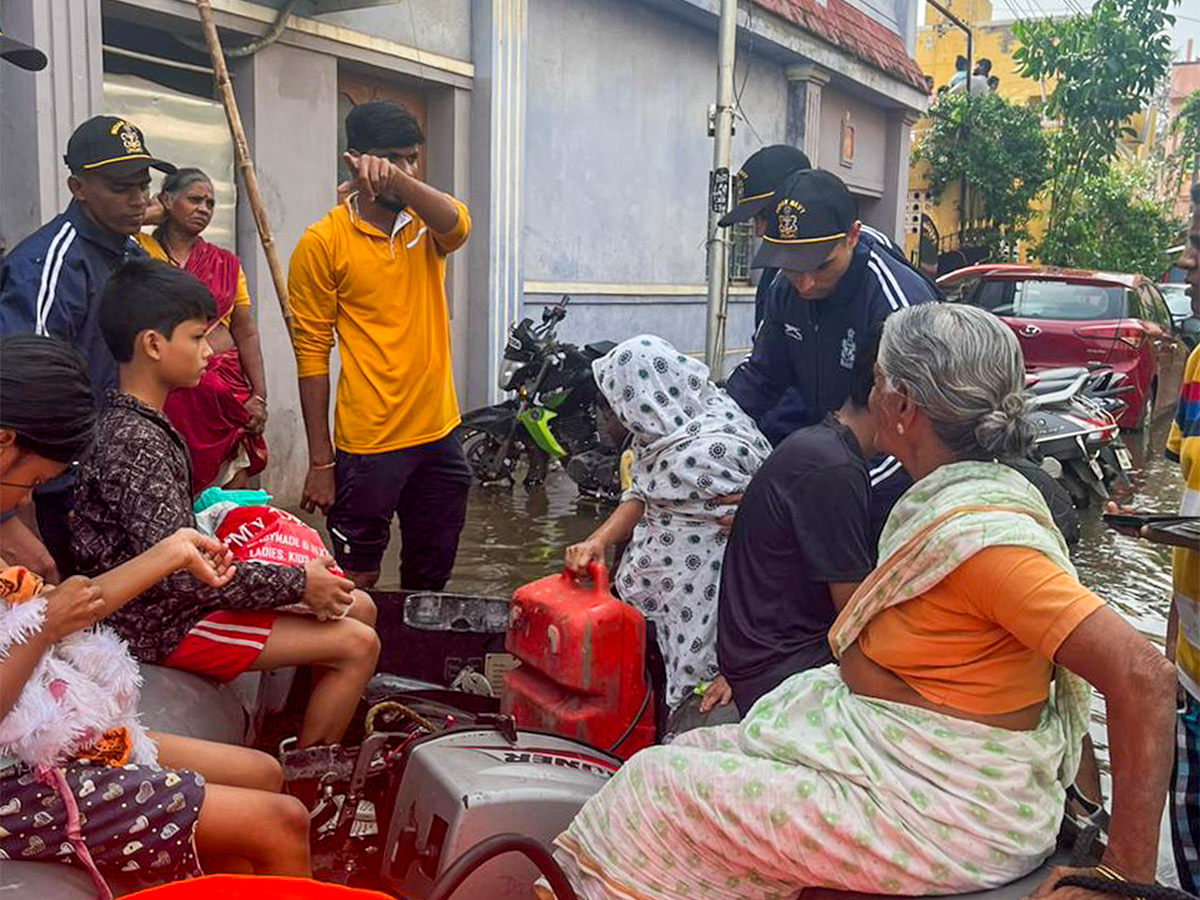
(135, 489)
(80, 779)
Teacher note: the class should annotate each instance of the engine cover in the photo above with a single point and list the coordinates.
(464, 786)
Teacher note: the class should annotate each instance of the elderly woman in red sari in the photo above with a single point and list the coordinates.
(223, 417)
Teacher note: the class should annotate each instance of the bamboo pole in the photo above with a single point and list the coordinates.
(245, 163)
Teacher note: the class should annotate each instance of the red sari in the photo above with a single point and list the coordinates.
(212, 416)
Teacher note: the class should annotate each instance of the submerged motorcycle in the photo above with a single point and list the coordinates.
(550, 418)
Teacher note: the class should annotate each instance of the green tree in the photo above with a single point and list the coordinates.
(1120, 223)
(1106, 65)
(1187, 127)
(1000, 150)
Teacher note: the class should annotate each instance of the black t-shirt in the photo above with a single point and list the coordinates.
(803, 524)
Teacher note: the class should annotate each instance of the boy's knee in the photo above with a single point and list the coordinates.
(267, 772)
(364, 608)
(359, 642)
(290, 816)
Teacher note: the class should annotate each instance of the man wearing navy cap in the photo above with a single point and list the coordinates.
(754, 187)
(837, 282)
(51, 282)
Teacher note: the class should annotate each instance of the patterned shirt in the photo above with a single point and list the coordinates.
(1183, 446)
(134, 490)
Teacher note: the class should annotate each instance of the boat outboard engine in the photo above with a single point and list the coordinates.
(459, 789)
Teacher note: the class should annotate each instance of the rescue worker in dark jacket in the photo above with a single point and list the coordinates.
(754, 186)
(51, 282)
(838, 281)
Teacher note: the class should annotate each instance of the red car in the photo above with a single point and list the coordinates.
(1070, 317)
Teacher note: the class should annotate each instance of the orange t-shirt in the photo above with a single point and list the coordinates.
(983, 640)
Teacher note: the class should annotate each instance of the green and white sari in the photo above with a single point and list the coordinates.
(820, 787)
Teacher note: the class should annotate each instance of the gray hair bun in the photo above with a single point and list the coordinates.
(1007, 431)
(963, 368)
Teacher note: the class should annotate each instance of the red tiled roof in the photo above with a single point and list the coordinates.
(839, 23)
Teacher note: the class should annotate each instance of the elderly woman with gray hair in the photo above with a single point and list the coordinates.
(223, 417)
(934, 758)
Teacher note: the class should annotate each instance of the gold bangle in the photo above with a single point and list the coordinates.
(260, 398)
(323, 467)
(1113, 875)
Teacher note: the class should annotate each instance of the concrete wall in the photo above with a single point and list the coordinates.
(435, 26)
(287, 97)
(617, 161)
(866, 175)
(39, 110)
(883, 11)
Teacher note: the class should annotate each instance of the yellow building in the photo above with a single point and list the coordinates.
(939, 43)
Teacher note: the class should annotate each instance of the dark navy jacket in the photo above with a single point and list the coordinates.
(802, 364)
(811, 345)
(52, 281)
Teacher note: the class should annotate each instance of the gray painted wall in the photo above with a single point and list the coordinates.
(617, 153)
(617, 158)
(39, 110)
(883, 11)
(436, 26)
(286, 95)
(866, 175)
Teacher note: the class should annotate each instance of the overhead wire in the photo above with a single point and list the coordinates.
(737, 94)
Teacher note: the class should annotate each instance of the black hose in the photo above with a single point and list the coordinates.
(637, 717)
(458, 872)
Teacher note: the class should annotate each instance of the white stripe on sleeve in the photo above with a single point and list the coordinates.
(48, 268)
(891, 277)
(883, 285)
(53, 292)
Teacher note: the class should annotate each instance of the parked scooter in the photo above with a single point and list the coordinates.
(551, 418)
(1078, 437)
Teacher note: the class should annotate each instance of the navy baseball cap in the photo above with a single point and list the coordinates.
(810, 213)
(760, 176)
(110, 145)
(21, 54)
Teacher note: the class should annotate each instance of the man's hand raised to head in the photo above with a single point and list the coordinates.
(375, 177)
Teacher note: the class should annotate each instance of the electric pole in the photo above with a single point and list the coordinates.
(718, 193)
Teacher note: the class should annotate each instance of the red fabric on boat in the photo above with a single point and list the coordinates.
(254, 887)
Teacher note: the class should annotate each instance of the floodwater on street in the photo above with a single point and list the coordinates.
(514, 536)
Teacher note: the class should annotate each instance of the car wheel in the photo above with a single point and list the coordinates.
(1146, 416)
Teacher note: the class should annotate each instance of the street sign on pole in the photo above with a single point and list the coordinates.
(718, 193)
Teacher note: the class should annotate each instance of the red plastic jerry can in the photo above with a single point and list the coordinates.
(583, 664)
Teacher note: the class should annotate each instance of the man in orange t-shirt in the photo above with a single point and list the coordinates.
(372, 272)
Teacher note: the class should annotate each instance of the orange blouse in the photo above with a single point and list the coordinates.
(983, 640)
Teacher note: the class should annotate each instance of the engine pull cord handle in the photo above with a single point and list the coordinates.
(537, 853)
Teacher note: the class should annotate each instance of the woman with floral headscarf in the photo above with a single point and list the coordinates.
(693, 446)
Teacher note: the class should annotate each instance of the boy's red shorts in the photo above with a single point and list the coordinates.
(223, 644)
